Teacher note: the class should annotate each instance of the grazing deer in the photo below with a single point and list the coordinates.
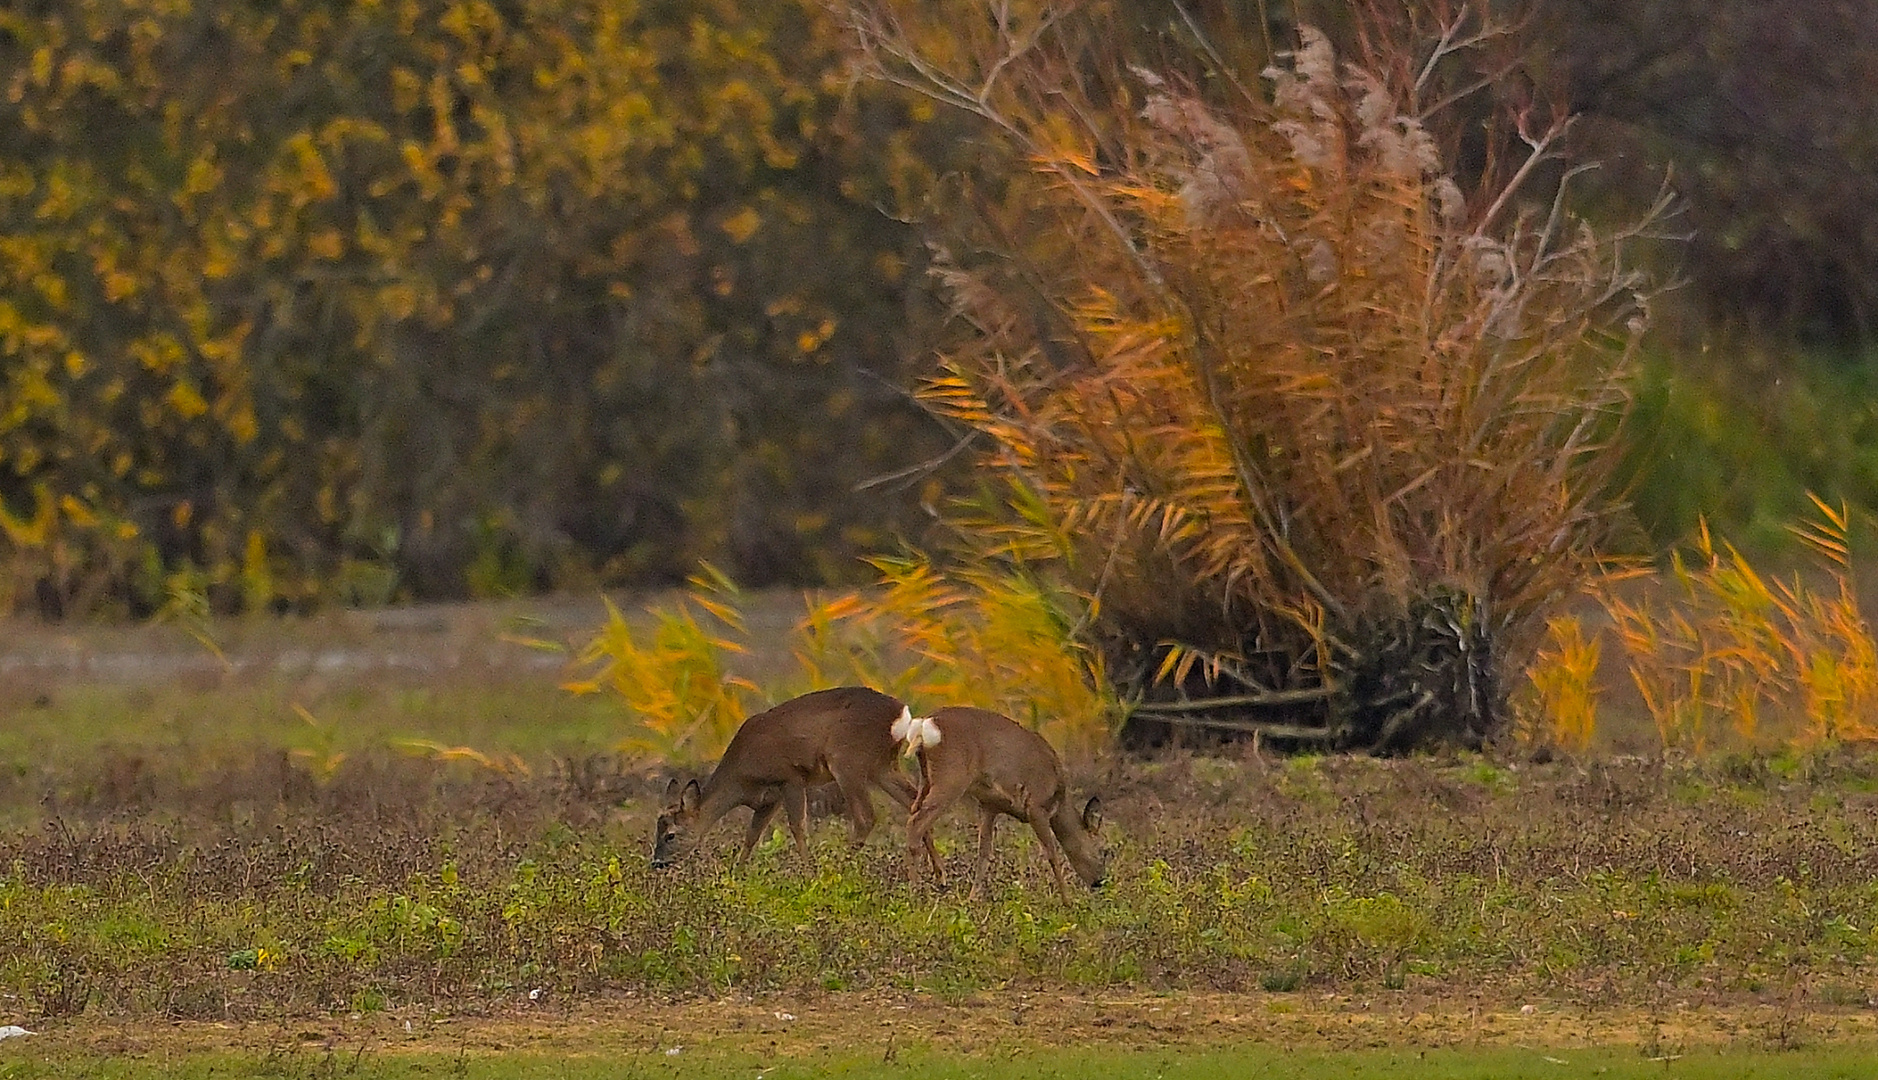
(1006, 769)
(843, 735)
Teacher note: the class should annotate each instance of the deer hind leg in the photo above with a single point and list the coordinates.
(760, 817)
(935, 798)
(987, 838)
(903, 791)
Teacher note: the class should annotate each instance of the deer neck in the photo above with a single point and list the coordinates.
(722, 793)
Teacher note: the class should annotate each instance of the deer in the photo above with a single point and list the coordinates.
(1007, 770)
(842, 735)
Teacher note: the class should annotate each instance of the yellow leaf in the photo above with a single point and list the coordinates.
(186, 400)
(742, 225)
(327, 244)
(78, 513)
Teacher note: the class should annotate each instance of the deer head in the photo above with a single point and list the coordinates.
(1082, 845)
(674, 835)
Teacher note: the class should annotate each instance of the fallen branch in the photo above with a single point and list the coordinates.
(1274, 697)
(1269, 730)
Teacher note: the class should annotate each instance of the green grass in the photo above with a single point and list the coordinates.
(1744, 455)
(176, 721)
(1238, 1063)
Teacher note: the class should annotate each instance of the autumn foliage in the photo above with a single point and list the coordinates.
(344, 300)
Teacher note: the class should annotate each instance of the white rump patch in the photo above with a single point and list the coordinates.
(913, 732)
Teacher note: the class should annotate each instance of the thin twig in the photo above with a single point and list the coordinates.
(930, 465)
(1541, 151)
(1219, 62)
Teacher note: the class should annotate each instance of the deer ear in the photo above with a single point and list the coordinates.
(1092, 813)
(671, 794)
(689, 798)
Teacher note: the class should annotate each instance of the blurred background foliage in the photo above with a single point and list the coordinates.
(361, 300)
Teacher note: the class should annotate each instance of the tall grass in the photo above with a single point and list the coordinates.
(1290, 383)
(1564, 679)
(1739, 657)
(985, 636)
(1728, 657)
(682, 701)
(993, 638)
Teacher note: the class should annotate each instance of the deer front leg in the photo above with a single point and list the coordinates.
(760, 817)
(987, 838)
(1046, 835)
(795, 800)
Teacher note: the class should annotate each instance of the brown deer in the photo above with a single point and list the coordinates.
(1006, 769)
(841, 735)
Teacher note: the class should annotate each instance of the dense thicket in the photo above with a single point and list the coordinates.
(353, 299)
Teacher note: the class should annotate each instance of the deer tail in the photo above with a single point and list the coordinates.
(915, 733)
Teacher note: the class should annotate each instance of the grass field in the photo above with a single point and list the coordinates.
(268, 863)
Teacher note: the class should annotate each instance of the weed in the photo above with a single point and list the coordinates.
(684, 704)
(995, 638)
(1283, 980)
(1564, 676)
(1744, 660)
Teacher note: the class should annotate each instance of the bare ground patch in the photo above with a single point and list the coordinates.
(786, 1026)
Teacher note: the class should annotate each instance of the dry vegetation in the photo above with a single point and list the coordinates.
(1721, 657)
(969, 637)
(1284, 397)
